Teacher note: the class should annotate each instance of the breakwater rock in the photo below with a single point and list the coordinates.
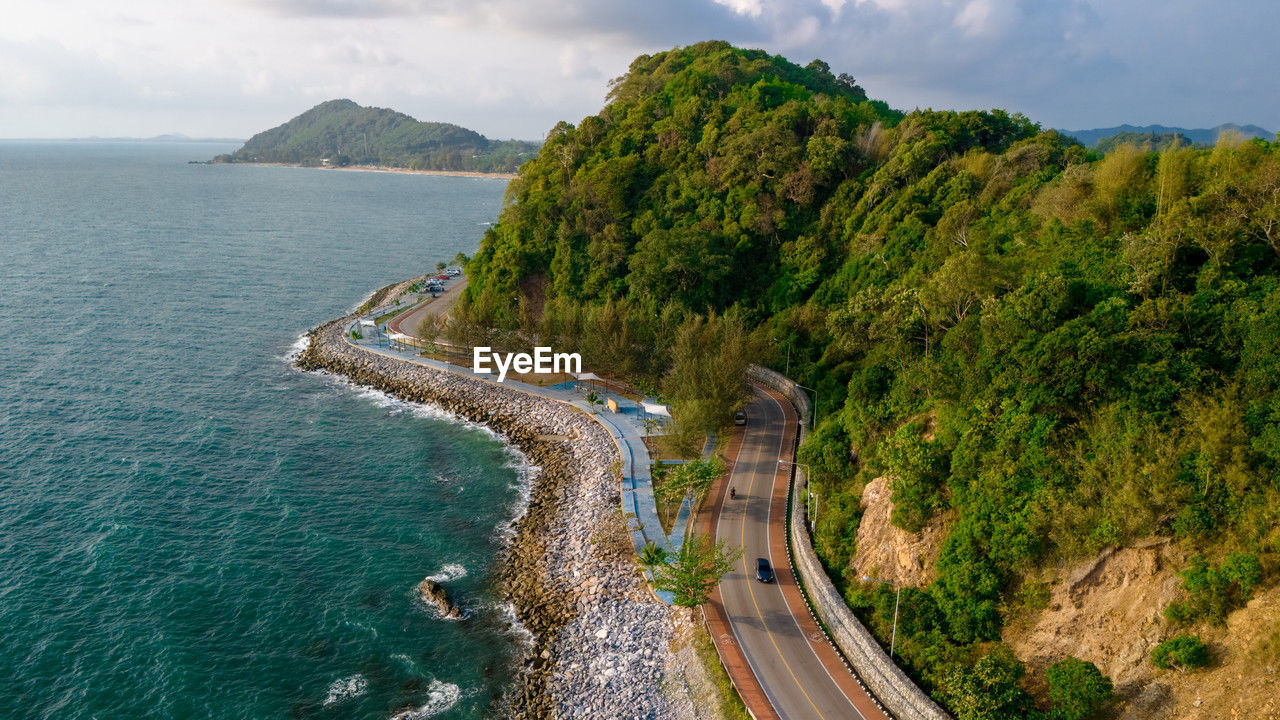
(437, 597)
(602, 643)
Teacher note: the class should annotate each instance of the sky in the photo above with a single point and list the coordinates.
(513, 68)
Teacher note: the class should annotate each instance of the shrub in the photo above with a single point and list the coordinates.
(1213, 592)
(653, 554)
(968, 587)
(1181, 652)
(1077, 689)
(989, 690)
(695, 570)
(694, 476)
(918, 469)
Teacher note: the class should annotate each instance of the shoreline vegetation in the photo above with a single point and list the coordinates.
(379, 169)
(603, 644)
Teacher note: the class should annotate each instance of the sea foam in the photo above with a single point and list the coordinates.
(526, 472)
(295, 350)
(450, 572)
(440, 697)
(345, 688)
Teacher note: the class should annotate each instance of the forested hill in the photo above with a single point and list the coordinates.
(1199, 136)
(1057, 351)
(340, 133)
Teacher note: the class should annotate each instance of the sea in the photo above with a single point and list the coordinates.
(189, 526)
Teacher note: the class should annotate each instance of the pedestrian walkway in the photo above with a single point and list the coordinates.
(626, 426)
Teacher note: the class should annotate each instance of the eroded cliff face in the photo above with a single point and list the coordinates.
(1108, 610)
(889, 553)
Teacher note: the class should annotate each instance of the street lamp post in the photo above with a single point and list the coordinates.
(897, 601)
(813, 418)
(787, 370)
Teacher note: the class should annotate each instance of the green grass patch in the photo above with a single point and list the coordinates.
(729, 701)
(388, 316)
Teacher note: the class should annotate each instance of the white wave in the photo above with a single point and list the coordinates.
(373, 631)
(440, 697)
(362, 302)
(522, 634)
(526, 472)
(451, 571)
(406, 662)
(345, 688)
(422, 410)
(296, 348)
(397, 406)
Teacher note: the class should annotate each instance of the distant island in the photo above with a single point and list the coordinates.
(1159, 136)
(341, 133)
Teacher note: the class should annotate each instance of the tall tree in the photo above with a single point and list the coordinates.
(693, 572)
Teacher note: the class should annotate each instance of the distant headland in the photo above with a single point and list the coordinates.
(343, 134)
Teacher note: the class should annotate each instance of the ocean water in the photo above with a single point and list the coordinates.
(190, 528)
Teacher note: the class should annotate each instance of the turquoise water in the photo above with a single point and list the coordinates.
(189, 527)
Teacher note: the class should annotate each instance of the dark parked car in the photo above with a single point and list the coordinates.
(739, 418)
(764, 571)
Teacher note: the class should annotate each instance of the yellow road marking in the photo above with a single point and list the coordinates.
(751, 589)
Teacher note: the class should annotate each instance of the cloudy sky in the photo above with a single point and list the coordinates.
(512, 68)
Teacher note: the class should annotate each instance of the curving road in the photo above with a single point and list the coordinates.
(782, 664)
(794, 666)
(408, 321)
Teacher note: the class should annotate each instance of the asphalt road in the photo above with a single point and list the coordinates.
(795, 680)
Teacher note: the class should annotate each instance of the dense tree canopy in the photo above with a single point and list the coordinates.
(1068, 349)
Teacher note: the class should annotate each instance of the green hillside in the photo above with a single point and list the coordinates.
(1070, 351)
(1145, 141)
(1199, 136)
(340, 132)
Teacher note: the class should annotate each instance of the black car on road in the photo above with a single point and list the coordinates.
(764, 571)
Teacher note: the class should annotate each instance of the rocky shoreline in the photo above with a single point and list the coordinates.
(603, 645)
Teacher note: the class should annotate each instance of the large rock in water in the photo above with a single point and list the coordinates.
(436, 596)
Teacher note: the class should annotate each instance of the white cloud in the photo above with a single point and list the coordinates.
(986, 18)
(515, 67)
(743, 7)
(835, 6)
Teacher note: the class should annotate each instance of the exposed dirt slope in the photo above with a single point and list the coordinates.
(1106, 610)
(1109, 610)
(891, 554)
